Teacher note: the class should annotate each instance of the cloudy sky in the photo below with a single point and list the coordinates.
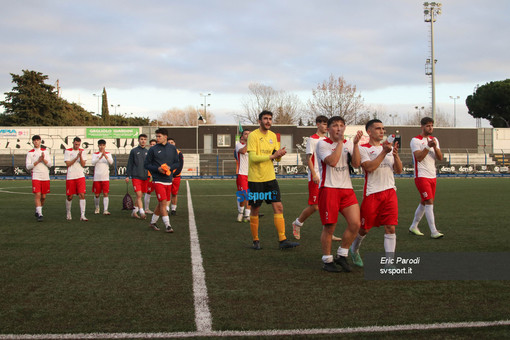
(157, 54)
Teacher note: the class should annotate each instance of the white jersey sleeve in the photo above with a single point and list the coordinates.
(241, 160)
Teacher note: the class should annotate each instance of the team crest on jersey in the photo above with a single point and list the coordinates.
(270, 141)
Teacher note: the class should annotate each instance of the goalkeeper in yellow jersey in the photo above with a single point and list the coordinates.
(263, 147)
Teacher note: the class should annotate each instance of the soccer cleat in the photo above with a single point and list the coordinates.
(148, 211)
(39, 218)
(356, 258)
(246, 219)
(134, 215)
(296, 230)
(96, 211)
(69, 217)
(436, 235)
(331, 267)
(416, 231)
(239, 217)
(154, 226)
(342, 262)
(106, 212)
(169, 229)
(84, 219)
(286, 244)
(143, 216)
(173, 213)
(256, 245)
(334, 238)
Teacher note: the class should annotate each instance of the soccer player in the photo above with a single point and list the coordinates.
(336, 193)
(425, 149)
(379, 161)
(313, 176)
(176, 180)
(241, 156)
(138, 174)
(150, 187)
(160, 156)
(101, 160)
(263, 147)
(75, 161)
(38, 162)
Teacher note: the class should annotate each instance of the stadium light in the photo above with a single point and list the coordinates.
(205, 105)
(454, 109)
(115, 106)
(431, 10)
(98, 96)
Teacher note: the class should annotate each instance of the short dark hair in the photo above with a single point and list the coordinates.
(371, 122)
(265, 112)
(36, 137)
(321, 119)
(426, 120)
(170, 138)
(101, 142)
(153, 140)
(335, 119)
(162, 131)
(76, 139)
(142, 135)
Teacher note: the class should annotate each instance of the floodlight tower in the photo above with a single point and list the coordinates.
(431, 10)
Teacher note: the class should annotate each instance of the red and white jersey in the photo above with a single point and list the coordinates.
(241, 160)
(41, 171)
(382, 178)
(311, 149)
(102, 166)
(427, 167)
(76, 170)
(337, 176)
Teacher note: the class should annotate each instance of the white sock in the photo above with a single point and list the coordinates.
(357, 243)
(418, 214)
(298, 223)
(174, 207)
(429, 214)
(239, 207)
(154, 219)
(96, 202)
(390, 243)
(106, 200)
(68, 205)
(147, 201)
(166, 220)
(247, 212)
(342, 251)
(167, 208)
(82, 207)
(327, 258)
(135, 209)
(38, 210)
(142, 212)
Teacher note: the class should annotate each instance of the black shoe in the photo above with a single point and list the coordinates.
(342, 262)
(330, 267)
(154, 226)
(39, 218)
(285, 244)
(173, 213)
(169, 229)
(256, 245)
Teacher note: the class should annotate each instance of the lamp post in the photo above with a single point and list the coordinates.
(454, 109)
(205, 105)
(431, 10)
(98, 97)
(199, 118)
(115, 106)
(393, 116)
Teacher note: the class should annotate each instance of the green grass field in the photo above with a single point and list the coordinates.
(115, 275)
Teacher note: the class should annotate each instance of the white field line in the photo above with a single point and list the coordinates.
(267, 333)
(202, 313)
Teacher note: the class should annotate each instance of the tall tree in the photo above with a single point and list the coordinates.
(184, 117)
(286, 107)
(105, 113)
(492, 102)
(335, 97)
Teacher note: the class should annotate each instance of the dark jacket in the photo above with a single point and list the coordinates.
(158, 155)
(135, 166)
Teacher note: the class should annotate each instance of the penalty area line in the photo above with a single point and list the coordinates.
(319, 331)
